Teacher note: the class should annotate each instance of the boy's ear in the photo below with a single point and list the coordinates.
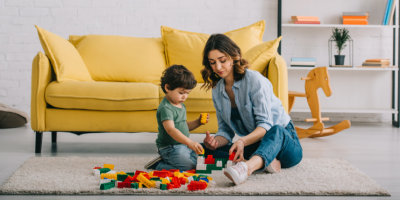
(166, 87)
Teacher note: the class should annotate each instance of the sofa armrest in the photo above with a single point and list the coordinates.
(41, 77)
(277, 74)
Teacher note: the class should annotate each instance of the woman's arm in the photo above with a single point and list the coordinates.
(169, 126)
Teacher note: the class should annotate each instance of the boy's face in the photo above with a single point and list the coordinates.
(177, 96)
(220, 64)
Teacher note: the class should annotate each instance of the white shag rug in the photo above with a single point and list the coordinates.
(73, 176)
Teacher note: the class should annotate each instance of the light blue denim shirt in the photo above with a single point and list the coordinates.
(257, 104)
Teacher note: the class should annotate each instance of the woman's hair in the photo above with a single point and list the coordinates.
(228, 47)
(177, 76)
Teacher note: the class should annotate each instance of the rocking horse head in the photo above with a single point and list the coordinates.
(320, 77)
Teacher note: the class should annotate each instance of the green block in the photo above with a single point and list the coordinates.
(202, 172)
(163, 187)
(135, 185)
(131, 173)
(224, 161)
(107, 186)
(104, 170)
(155, 179)
(122, 177)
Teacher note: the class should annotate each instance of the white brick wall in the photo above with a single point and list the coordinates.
(142, 18)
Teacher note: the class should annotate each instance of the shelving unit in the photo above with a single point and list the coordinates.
(395, 71)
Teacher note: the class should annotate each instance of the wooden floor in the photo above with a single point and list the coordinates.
(372, 148)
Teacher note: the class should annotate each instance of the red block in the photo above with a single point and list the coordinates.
(134, 178)
(176, 182)
(138, 172)
(173, 170)
(128, 179)
(97, 168)
(197, 185)
(232, 155)
(170, 186)
(209, 160)
(162, 174)
(183, 180)
(192, 171)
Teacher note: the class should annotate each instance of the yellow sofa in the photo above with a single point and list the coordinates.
(122, 94)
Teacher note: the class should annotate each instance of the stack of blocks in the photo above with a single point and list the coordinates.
(163, 180)
(211, 165)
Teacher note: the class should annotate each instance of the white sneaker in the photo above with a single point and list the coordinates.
(274, 166)
(237, 173)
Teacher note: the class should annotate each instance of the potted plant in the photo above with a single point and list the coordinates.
(340, 36)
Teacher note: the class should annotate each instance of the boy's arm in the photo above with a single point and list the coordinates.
(169, 126)
(196, 123)
(174, 132)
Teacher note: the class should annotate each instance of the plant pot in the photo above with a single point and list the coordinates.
(339, 59)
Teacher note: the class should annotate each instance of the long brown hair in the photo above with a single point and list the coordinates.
(228, 47)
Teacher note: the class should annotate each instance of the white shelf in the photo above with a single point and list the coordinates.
(340, 25)
(348, 68)
(336, 110)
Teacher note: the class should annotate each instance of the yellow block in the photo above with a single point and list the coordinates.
(209, 178)
(109, 166)
(165, 181)
(109, 176)
(204, 119)
(140, 184)
(145, 181)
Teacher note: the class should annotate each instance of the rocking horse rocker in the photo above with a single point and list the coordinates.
(316, 78)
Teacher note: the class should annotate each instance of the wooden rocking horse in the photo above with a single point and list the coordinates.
(317, 78)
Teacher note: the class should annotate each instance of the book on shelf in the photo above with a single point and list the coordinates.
(355, 21)
(376, 62)
(389, 12)
(302, 65)
(342, 66)
(303, 62)
(355, 14)
(382, 60)
(355, 18)
(305, 20)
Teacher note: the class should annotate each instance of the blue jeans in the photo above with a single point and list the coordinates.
(279, 142)
(177, 156)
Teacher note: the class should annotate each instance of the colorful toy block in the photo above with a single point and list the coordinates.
(209, 160)
(197, 185)
(204, 118)
(121, 177)
(162, 174)
(170, 186)
(109, 176)
(135, 185)
(145, 181)
(109, 166)
(219, 163)
(176, 182)
(163, 187)
(232, 155)
(131, 173)
(106, 186)
(104, 170)
(97, 168)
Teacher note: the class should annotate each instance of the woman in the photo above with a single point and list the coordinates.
(246, 105)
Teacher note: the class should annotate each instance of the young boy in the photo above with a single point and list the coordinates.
(176, 150)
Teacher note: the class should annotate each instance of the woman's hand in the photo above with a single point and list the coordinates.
(238, 146)
(210, 142)
(195, 146)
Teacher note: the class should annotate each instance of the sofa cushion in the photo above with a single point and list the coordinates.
(260, 55)
(103, 95)
(198, 100)
(186, 48)
(66, 61)
(121, 58)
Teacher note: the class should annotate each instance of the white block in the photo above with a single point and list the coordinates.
(200, 160)
(104, 181)
(116, 183)
(211, 183)
(190, 178)
(201, 167)
(158, 184)
(219, 163)
(229, 164)
(96, 172)
(111, 172)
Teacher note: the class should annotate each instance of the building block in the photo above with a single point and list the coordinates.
(176, 182)
(97, 168)
(229, 164)
(106, 186)
(219, 163)
(209, 160)
(204, 118)
(204, 179)
(109, 176)
(170, 186)
(183, 180)
(121, 172)
(104, 170)
(158, 185)
(200, 160)
(165, 181)
(232, 155)
(137, 172)
(140, 185)
(131, 173)
(104, 181)
(135, 185)
(163, 187)
(116, 183)
(121, 177)
(162, 174)
(96, 172)
(192, 171)
(145, 181)
(189, 179)
(197, 185)
(109, 166)
(173, 170)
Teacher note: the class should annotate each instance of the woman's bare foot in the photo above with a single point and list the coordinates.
(274, 166)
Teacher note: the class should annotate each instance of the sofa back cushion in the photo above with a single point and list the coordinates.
(186, 48)
(121, 58)
(67, 63)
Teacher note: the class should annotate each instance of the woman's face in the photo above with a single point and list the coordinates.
(220, 64)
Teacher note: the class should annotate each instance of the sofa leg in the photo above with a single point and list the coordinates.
(38, 146)
(54, 136)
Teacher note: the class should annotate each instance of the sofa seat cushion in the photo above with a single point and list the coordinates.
(122, 96)
(199, 100)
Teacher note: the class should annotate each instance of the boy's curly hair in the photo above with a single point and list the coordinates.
(177, 76)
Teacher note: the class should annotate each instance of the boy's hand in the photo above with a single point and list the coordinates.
(204, 120)
(195, 146)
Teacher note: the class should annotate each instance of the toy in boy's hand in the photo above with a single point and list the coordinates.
(204, 118)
